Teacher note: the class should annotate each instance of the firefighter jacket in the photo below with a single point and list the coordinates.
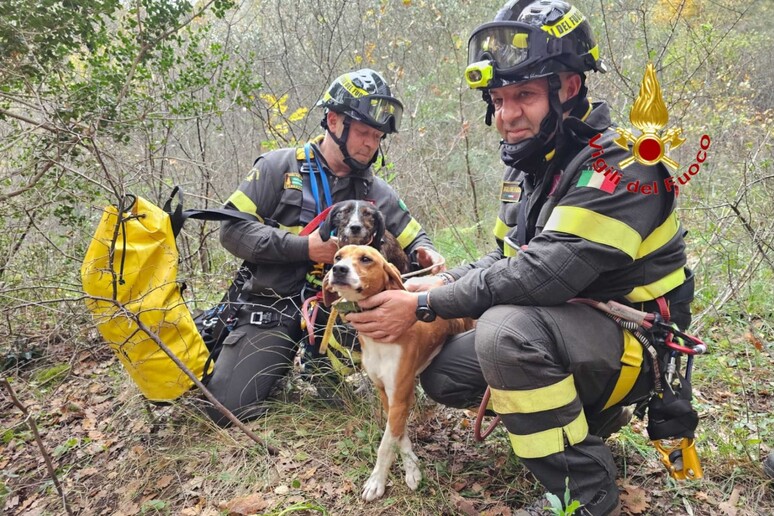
(277, 191)
(592, 230)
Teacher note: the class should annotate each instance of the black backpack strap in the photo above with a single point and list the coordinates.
(178, 216)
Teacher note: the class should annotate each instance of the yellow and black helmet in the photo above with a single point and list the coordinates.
(364, 95)
(529, 39)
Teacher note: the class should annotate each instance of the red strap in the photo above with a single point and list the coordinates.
(315, 222)
(478, 435)
(663, 307)
(311, 317)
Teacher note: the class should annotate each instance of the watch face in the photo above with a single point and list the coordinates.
(424, 314)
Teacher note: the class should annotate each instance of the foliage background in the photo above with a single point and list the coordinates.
(99, 98)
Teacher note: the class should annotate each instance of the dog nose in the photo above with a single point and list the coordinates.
(355, 229)
(340, 270)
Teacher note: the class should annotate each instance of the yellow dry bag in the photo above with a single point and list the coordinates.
(130, 270)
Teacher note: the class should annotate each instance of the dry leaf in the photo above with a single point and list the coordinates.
(164, 481)
(244, 505)
(128, 509)
(497, 510)
(87, 472)
(754, 340)
(635, 499)
(463, 505)
(309, 473)
(459, 485)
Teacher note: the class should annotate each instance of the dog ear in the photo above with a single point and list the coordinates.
(329, 294)
(329, 224)
(379, 229)
(394, 281)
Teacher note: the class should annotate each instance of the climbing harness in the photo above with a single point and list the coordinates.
(670, 415)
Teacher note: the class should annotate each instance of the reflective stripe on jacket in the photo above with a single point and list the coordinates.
(591, 238)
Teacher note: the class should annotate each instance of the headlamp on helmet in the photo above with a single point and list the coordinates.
(530, 41)
(479, 75)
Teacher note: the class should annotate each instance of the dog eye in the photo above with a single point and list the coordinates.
(337, 258)
(366, 259)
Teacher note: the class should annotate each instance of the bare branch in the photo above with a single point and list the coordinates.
(34, 428)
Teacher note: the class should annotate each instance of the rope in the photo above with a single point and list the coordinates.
(426, 270)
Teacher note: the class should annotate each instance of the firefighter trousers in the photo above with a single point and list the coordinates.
(256, 354)
(549, 369)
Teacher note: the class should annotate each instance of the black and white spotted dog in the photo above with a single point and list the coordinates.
(361, 223)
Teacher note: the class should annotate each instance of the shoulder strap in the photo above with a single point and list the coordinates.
(178, 216)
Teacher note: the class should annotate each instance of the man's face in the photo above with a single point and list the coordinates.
(520, 108)
(363, 141)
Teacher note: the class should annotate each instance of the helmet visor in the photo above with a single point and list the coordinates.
(510, 46)
(380, 111)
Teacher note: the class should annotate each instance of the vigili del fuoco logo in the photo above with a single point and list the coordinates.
(648, 114)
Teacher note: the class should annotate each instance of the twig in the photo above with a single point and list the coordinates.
(31, 424)
(223, 410)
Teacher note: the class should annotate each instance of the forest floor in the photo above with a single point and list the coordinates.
(115, 454)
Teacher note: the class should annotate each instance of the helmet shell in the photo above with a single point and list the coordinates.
(365, 96)
(554, 35)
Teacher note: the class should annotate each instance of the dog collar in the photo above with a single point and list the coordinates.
(346, 307)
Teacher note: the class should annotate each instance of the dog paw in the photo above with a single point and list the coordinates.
(413, 475)
(373, 489)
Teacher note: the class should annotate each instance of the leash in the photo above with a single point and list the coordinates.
(328, 330)
(315, 222)
(477, 434)
(340, 307)
(426, 270)
(310, 317)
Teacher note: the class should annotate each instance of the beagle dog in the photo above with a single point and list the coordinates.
(361, 223)
(358, 272)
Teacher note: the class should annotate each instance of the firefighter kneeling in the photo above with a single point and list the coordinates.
(561, 374)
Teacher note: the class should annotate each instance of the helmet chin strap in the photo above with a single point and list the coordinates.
(352, 163)
(514, 154)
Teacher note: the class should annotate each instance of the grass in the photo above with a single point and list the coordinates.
(115, 453)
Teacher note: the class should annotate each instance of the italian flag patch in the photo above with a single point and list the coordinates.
(598, 180)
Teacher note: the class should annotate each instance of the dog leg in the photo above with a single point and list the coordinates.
(410, 463)
(374, 486)
(399, 413)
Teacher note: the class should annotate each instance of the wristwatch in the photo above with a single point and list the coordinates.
(424, 313)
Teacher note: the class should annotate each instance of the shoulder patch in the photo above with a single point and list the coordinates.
(592, 179)
(254, 174)
(293, 181)
(510, 192)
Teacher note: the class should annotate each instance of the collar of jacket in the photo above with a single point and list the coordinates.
(596, 120)
(367, 175)
(586, 121)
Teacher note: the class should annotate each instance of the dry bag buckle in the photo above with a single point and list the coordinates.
(263, 318)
